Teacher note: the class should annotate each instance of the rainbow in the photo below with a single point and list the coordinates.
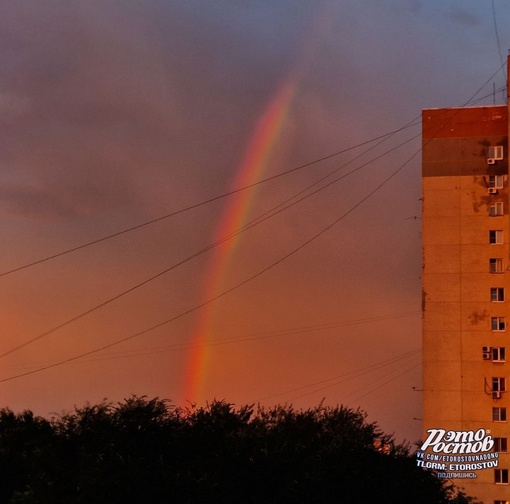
(255, 161)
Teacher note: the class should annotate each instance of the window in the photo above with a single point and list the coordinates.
(500, 444)
(497, 294)
(495, 208)
(498, 354)
(498, 384)
(495, 152)
(496, 265)
(501, 476)
(501, 502)
(496, 181)
(498, 323)
(499, 414)
(496, 236)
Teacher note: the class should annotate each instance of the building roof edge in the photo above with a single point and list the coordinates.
(464, 108)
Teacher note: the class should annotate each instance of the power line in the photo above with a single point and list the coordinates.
(259, 220)
(253, 223)
(236, 339)
(224, 195)
(484, 84)
(343, 377)
(419, 363)
(227, 291)
(414, 355)
(409, 124)
(386, 382)
(324, 230)
(496, 31)
(500, 89)
(199, 204)
(205, 249)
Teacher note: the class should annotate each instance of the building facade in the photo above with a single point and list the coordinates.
(466, 283)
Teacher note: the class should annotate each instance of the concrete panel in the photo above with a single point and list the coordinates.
(442, 346)
(475, 258)
(476, 288)
(441, 316)
(475, 377)
(448, 289)
(442, 203)
(439, 183)
(476, 317)
(441, 231)
(464, 122)
(461, 156)
(442, 408)
(443, 377)
(441, 259)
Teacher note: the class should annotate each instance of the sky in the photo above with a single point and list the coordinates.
(198, 157)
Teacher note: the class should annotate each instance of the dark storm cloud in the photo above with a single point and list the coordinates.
(81, 105)
(99, 100)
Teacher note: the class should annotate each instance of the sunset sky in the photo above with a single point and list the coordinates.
(117, 113)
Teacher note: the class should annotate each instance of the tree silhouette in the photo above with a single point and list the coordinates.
(148, 451)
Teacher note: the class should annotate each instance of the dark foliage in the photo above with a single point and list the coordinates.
(146, 451)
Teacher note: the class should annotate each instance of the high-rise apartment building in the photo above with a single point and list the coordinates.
(466, 289)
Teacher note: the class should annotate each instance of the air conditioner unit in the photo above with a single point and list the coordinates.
(496, 394)
(492, 190)
(491, 161)
(486, 356)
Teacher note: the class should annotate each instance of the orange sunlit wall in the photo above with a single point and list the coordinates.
(461, 190)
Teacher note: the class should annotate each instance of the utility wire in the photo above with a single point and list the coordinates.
(343, 377)
(496, 31)
(419, 363)
(137, 352)
(478, 100)
(375, 368)
(381, 385)
(484, 84)
(225, 292)
(224, 195)
(401, 365)
(470, 101)
(413, 122)
(83, 314)
(259, 220)
(414, 356)
(182, 314)
(253, 223)
(386, 382)
(202, 203)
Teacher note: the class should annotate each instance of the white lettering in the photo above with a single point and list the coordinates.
(442, 441)
(435, 435)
